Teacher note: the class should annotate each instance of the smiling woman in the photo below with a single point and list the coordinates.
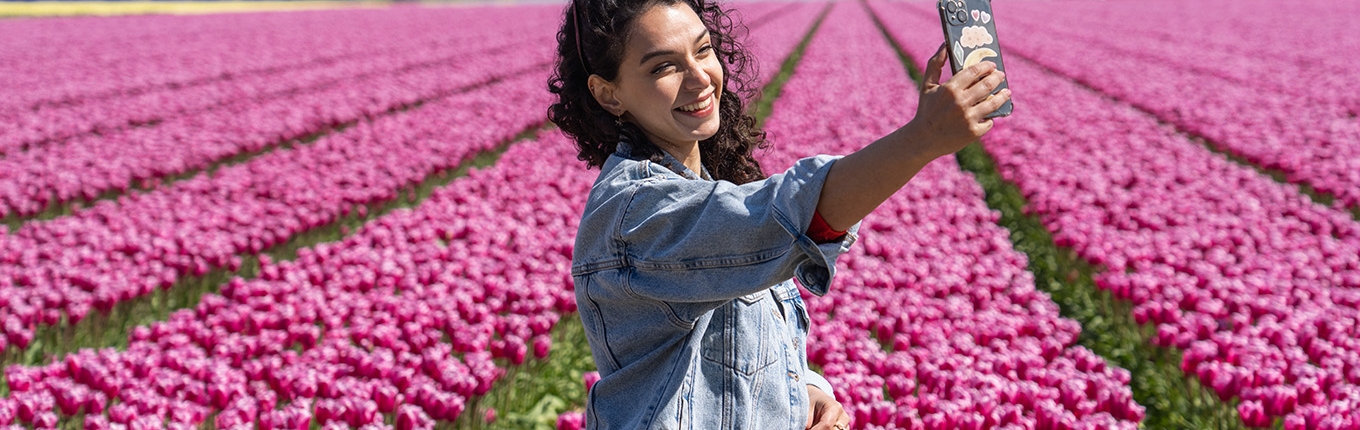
(686, 253)
(673, 63)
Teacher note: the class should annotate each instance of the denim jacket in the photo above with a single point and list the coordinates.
(685, 289)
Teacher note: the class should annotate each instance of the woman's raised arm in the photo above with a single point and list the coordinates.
(948, 117)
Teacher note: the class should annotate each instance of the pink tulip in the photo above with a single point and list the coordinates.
(590, 378)
(571, 421)
(45, 420)
(542, 346)
(96, 422)
(410, 417)
(364, 412)
(327, 410)
(387, 397)
(7, 411)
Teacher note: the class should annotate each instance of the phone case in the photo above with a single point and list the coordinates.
(971, 31)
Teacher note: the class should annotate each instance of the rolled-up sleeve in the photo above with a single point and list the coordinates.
(706, 241)
(815, 379)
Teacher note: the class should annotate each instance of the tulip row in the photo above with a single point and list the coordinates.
(933, 321)
(1258, 46)
(1251, 279)
(103, 58)
(780, 32)
(93, 165)
(1308, 132)
(210, 103)
(118, 250)
(403, 321)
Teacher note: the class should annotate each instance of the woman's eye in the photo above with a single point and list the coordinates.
(661, 68)
(706, 48)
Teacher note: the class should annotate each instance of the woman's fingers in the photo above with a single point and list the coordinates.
(828, 419)
(935, 67)
(825, 413)
(842, 420)
(993, 102)
(980, 123)
(833, 420)
(971, 75)
(982, 89)
(831, 417)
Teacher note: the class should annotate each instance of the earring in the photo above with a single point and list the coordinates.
(618, 120)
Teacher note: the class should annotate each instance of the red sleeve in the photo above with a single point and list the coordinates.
(821, 232)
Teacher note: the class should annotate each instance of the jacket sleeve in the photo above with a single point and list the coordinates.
(711, 241)
(815, 379)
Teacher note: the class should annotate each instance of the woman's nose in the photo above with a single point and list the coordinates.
(698, 77)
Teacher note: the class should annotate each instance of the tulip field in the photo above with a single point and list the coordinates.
(361, 218)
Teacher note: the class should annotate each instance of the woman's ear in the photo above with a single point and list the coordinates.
(604, 92)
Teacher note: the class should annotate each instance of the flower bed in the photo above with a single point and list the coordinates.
(1257, 285)
(406, 318)
(933, 321)
(1265, 100)
(119, 250)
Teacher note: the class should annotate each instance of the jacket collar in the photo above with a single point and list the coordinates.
(625, 149)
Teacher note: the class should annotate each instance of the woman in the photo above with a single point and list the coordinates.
(685, 253)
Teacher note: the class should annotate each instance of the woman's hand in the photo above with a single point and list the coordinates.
(824, 412)
(951, 115)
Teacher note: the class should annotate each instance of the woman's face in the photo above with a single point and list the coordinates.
(670, 79)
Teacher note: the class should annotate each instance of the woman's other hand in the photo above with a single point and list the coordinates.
(824, 412)
(951, 115)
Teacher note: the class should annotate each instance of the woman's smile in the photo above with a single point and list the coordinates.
(701, 108)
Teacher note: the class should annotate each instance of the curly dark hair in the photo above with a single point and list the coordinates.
(728, 155)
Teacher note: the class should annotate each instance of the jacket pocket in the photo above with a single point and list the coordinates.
(739, 334)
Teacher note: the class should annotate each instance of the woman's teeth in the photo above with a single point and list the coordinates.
(697, 106)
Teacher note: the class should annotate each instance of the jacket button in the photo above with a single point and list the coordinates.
(793, 375)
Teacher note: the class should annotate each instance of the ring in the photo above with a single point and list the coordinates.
(840, 427)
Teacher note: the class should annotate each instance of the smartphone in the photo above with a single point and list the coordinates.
(970, 30)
